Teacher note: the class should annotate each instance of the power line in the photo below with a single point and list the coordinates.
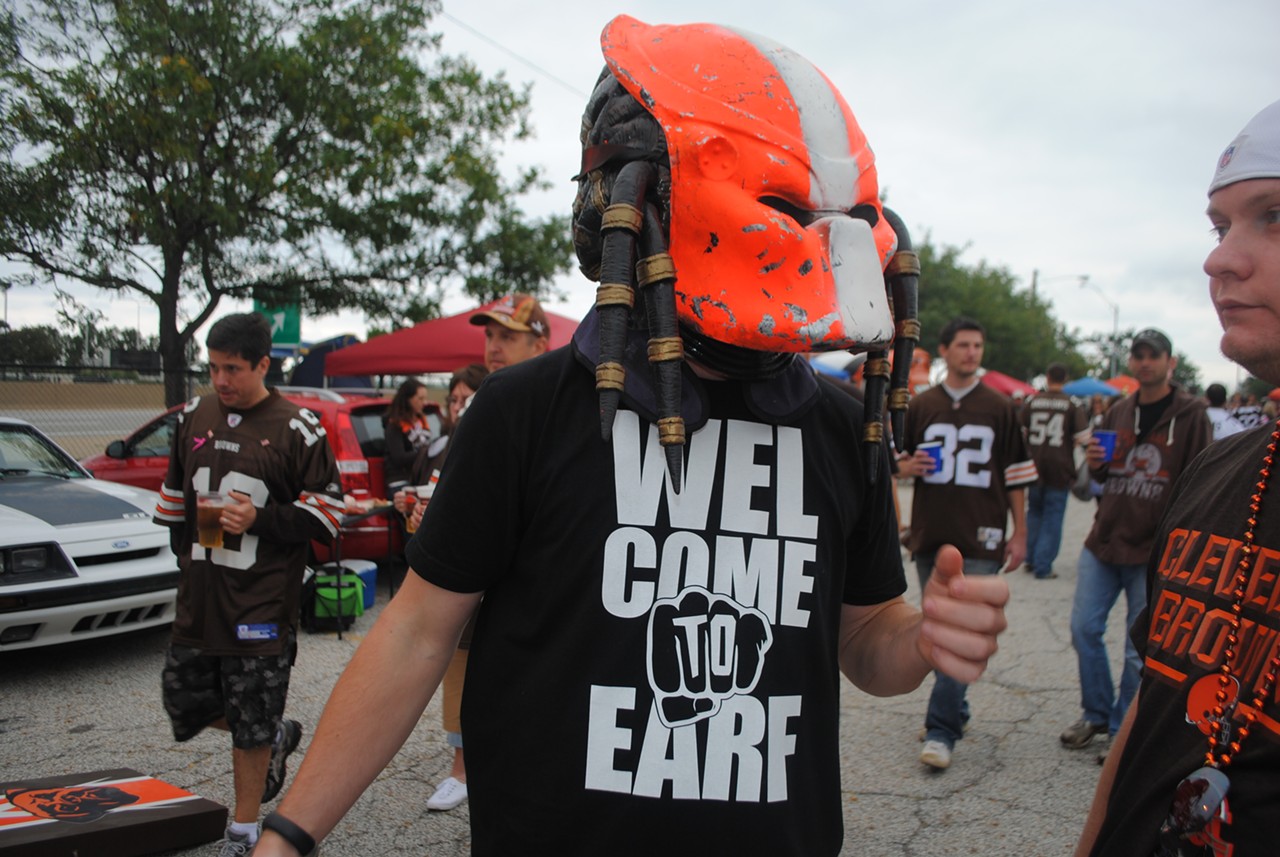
(539, 69)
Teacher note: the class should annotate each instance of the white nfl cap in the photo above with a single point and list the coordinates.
(1253, 154)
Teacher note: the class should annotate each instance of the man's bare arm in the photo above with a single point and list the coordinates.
(1015, 550)
(389, 682)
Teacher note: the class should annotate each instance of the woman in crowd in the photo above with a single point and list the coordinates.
(409, 431)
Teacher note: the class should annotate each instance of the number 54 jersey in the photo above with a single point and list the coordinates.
(965, 501)
(1054, 426)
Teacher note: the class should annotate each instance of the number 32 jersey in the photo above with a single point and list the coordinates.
(965, 501)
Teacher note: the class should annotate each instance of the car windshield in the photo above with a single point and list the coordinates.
(23, 452)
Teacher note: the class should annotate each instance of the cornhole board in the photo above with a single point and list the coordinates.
(118, 812)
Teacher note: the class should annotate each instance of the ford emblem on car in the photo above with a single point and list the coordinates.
(120, 545)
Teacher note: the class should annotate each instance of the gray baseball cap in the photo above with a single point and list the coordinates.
(1253, 154)
(1152, 338)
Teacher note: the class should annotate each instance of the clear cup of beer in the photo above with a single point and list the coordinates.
(209, 506)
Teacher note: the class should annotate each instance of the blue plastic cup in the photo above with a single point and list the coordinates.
(934, 448)
(1108, 440)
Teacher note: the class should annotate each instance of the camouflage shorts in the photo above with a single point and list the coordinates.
(249, 693)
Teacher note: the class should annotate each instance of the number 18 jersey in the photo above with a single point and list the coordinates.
(965, 501)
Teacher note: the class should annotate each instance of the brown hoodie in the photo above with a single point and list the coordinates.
(1139, 480)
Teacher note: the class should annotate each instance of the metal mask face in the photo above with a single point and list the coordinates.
(767, 162)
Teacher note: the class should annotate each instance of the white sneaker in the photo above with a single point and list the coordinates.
(448, 794)
(936, 755)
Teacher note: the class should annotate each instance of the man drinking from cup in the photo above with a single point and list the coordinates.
(1152, 436)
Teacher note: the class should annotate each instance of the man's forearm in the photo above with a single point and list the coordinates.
(879, 648)
(1018, 510)
(388, 682)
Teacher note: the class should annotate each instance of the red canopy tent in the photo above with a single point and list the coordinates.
(438, 345)
(1006, 384)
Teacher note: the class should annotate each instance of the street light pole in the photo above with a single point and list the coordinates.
(1115, 322)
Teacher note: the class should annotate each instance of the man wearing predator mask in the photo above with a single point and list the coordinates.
(676, 562)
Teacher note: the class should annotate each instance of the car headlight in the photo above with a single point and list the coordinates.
(32, 564)
(31, 559)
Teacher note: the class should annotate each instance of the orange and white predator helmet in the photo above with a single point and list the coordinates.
(767, 199)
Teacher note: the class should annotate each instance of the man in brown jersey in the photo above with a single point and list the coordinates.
(1054, 427)
(1158, 431)
(966, 498)
(234, 632)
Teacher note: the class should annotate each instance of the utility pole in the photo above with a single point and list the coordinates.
(1115, 323)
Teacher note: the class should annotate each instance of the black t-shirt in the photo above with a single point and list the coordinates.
(654, 673)
(1150, 414)
(1183, 635)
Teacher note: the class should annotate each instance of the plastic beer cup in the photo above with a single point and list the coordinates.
(209, 506)
(1107, 439)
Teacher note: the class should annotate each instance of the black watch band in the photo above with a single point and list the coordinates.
(290, 832)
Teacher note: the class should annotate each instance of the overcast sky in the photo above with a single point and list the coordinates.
(1072, 138)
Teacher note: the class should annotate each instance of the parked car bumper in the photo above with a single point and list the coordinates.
(69, 613)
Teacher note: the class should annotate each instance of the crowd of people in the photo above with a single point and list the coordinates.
(648, 557)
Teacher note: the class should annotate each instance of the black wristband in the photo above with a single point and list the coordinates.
(290, 832)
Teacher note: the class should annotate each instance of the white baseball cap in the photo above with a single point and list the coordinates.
(1253, 154)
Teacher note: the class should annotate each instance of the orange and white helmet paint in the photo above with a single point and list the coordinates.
(776, 229)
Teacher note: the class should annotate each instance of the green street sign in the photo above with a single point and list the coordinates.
(286, 323)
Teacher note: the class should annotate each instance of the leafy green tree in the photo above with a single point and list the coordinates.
(1256, 387)
(1023, 337)
(1187, 374)
(281, 150)
(42, 345)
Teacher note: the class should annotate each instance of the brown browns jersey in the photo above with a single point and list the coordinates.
(241, 598)
(965, 502)
(1054, 425)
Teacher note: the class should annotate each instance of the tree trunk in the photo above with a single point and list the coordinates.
(173, 345)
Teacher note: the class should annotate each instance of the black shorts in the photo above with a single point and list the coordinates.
(249, 693)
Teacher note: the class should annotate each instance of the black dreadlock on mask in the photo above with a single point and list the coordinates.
(624, 193)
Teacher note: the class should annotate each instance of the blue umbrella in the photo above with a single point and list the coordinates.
(1085, 387)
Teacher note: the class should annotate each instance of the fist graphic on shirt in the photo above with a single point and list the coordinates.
(703, 649)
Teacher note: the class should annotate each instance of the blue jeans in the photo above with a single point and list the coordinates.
(948, 709)
(1045, 509)
(1098, 585)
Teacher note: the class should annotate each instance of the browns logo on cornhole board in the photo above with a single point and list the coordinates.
(119, 812)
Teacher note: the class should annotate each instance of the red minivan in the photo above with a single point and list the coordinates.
(353, 422)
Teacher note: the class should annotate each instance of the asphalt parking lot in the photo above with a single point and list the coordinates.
(1012, 788)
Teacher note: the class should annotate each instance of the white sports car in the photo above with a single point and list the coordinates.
(79, 557)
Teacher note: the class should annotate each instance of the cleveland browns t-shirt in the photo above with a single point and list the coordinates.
(1182, 636)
